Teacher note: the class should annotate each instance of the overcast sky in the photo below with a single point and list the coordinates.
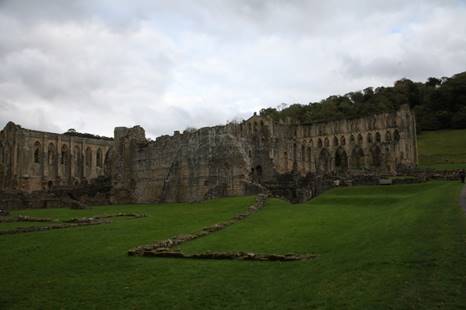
(168, 65)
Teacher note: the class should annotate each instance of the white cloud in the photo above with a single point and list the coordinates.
(168, 65)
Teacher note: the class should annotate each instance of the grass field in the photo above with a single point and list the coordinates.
(379, 247)
(442, 149)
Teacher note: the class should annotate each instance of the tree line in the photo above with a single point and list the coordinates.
(439, 103)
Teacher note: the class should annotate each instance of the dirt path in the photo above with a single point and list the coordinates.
(463, 198)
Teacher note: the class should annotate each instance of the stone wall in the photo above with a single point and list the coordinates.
(33, 160)
(259, 155)
(295, 161)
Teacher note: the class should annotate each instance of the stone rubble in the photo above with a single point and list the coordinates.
(167, 248)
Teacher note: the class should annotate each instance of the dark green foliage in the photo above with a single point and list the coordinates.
(438, 103)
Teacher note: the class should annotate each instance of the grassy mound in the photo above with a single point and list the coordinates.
(379, 247)
(442, 149)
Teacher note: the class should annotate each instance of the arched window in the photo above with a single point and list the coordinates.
(285, 158)
(360, 139)
(326, 142)
(396, 136)
(37, 152)
(335, 141)
(309, 157)
(324, 161)
(342, 140)
(64, 155)
(369, 138)
(376, 156)
(388, 137)
(341, 160)
(99, 158)
(377, 137)
(357, 158)
(352, 140)
(319, 143)
(88, 157)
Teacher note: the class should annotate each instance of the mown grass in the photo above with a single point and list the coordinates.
(379, 247)
(442, 149)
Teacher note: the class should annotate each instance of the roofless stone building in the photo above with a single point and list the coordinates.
(239, 158)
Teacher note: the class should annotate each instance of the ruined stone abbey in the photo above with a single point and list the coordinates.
(256, 155)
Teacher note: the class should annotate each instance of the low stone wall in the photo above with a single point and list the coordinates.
(168, 247)
(57, 224)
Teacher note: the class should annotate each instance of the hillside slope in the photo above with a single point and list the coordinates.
(442, 149)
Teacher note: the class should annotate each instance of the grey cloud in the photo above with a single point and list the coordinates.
(168, 65)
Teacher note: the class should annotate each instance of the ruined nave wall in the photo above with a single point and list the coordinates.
(240, 158)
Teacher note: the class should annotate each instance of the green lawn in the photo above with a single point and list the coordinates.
(442, 149)
(379, 247)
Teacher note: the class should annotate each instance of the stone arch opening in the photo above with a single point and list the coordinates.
(319, 143)
(98, 159)
(88, 161)
(357, 158)
(369, 137)
(342, 140)
(285, 159)
(352, 139)
(360, 140)
(309, 157)
(335, 141)
(396, 136)
(108, 162)
(376, 156)
(341, 160)
(37, 152)
(378, 138)
(324, 161)
(326, 142)
(388, 137)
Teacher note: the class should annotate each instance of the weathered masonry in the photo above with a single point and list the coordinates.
(256, 155)
(238, 159)
(33, 160)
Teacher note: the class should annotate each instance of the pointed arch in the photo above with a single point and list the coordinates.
(360, 139)
(369, 138)
(341, 160)
(352, 139)
(378, 138)
(309, 158)
(324, 161)
(376, 156)
(99, 158)
(319, 143)
(396, 135)
(37, 158)
(388, 137)
(357, 158)
(335, 141)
